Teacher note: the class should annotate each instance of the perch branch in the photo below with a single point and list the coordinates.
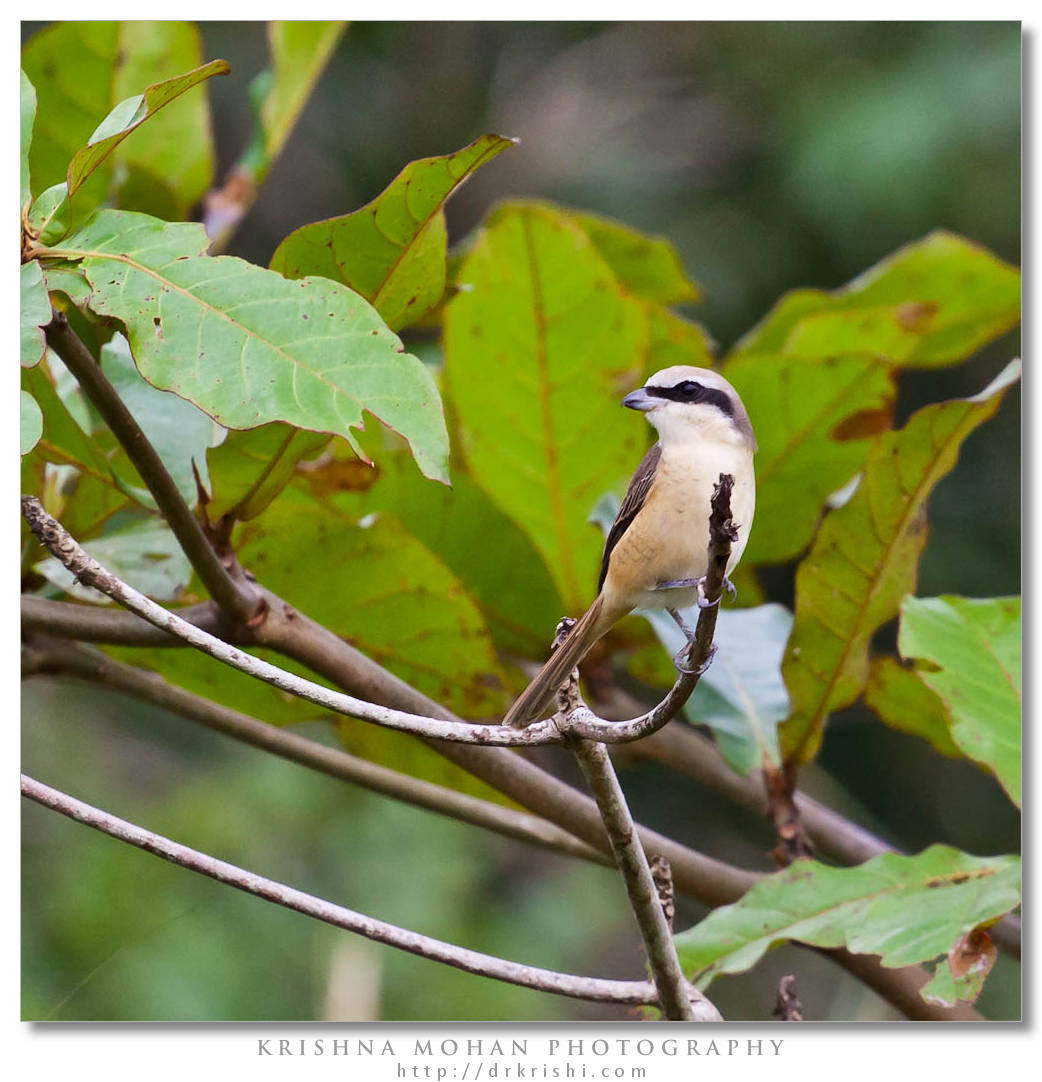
(60, 659)
(543, 980)
(234, 597)
(88, 571)
(675, 995)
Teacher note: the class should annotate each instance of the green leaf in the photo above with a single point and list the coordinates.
(246, 345)
(540, 309)
(299, 53)
(647, 267)
(463, 528)
(44, 213)
(64, 441)
(66, 278)
(906, 909)
(865, 559)
(28, 116)
(249, 469)
(31, 427)
(81, 70)
(179, 432)
(35, 313)
(145, 554)
(901, 699)
(392, 251)
(932, 303)
(969, 655)
(741, 696)
(815, 422)
(383, 591)
(129, 115)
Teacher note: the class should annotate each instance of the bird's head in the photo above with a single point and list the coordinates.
(686, 403)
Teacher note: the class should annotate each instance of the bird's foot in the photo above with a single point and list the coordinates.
(703, 601)
(680, 661)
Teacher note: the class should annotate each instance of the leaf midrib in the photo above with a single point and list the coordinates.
(546, 415)
(74, 253)
(423, 225)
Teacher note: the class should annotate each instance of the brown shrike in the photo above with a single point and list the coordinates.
(655, 556)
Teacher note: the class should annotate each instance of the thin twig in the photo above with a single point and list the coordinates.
(485, 965)
(91, 573)
(788, 1007)
(662, 875)
(60, 659)
(234, 597)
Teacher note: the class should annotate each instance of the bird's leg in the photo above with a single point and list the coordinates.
(699, 585)
(680, 657)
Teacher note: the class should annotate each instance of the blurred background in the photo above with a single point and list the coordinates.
(773, 156)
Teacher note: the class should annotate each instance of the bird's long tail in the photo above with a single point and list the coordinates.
(536, 699)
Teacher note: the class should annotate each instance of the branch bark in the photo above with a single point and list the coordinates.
(234, 597)
(485, 965)
(674, 994)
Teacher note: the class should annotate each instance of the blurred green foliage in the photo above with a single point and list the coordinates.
(774, 157)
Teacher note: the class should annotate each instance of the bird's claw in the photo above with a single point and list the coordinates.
(702, 601)
(680, 661)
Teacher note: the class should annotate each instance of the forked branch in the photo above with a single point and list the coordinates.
(550, 731)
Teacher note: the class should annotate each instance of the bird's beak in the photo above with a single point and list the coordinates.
(639, 400)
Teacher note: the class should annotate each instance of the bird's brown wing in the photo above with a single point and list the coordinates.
(632, 502)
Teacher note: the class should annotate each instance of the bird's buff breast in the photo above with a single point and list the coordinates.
(668, 540)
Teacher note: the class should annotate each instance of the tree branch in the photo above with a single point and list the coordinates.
(60, 659)
(485, 965)
(674, 993)
(87, 570)
(234, 597)
(90, 623)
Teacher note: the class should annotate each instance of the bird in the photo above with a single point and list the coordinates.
(655, 555)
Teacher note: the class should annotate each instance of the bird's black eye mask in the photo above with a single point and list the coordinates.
(690, 391)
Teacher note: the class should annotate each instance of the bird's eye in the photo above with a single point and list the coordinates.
(689, 388)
